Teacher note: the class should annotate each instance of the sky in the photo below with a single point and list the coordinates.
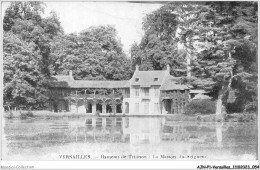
(126, 17)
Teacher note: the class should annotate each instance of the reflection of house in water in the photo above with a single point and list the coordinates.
(148, 130)
(105, 130)
(133, 130)
(176, 132)
(145, 130)
(219, 129)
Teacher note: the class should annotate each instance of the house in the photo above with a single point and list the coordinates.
(146, 93)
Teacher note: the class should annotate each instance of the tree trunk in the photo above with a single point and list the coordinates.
(188, 66)
(188, 61)
(220, 109)
(219, 104)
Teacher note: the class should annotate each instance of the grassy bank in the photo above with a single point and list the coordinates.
(201, 118)
(236, 117)
(42, 113)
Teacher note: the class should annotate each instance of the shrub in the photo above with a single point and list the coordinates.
(203, 106)
(241, 117)
(26, 115)
(23, 115)
(10, 115)
(29, 114)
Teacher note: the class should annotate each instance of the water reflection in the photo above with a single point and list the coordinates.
(219, 128)
(132, 135)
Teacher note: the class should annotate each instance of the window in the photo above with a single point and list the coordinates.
(156, 92)
(136, 107)
(155, 79)
(146, 91)
(136, 92)
(136, 79)
(127, 92)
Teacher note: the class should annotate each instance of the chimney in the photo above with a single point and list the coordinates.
(168, 68)
(71, 78)
(70, 73)
(137, 67)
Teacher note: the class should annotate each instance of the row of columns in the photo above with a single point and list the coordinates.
(104, 107)
(94, 106)
(67, 104)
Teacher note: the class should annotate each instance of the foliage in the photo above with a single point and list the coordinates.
(30, 11)
(238, 117)
(158, 46)
(24, 83)
(94, 54)
(26, 115)
(26, 46)
(10, 115)
(223, 37)
(202, 106)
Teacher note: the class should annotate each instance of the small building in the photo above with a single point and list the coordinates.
(146, 93)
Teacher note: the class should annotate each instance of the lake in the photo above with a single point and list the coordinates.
(127, 138)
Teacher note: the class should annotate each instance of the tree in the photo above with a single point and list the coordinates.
(27, 40)
(158, 46)
(24, 84)
(217, 38)
(94, 54)
(187, 14)
(23, 11)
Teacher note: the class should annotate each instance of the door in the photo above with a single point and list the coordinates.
(55, 107)
(126, 107)
(146, 108)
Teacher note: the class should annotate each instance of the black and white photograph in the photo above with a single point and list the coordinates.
(163, 81)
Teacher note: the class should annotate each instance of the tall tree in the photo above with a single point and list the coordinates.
(24, 84)
(158, 46)
(224, 28)
(187, 14)
(27, 40)
(24, 11)
(94, 54)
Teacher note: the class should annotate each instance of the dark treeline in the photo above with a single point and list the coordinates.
(218, 39)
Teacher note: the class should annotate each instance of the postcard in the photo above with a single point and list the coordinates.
(96, 83)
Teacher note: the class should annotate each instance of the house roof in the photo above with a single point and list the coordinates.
(170, 84)
(67, 82)
(140, 78)
(99, 84)
(148, 78)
